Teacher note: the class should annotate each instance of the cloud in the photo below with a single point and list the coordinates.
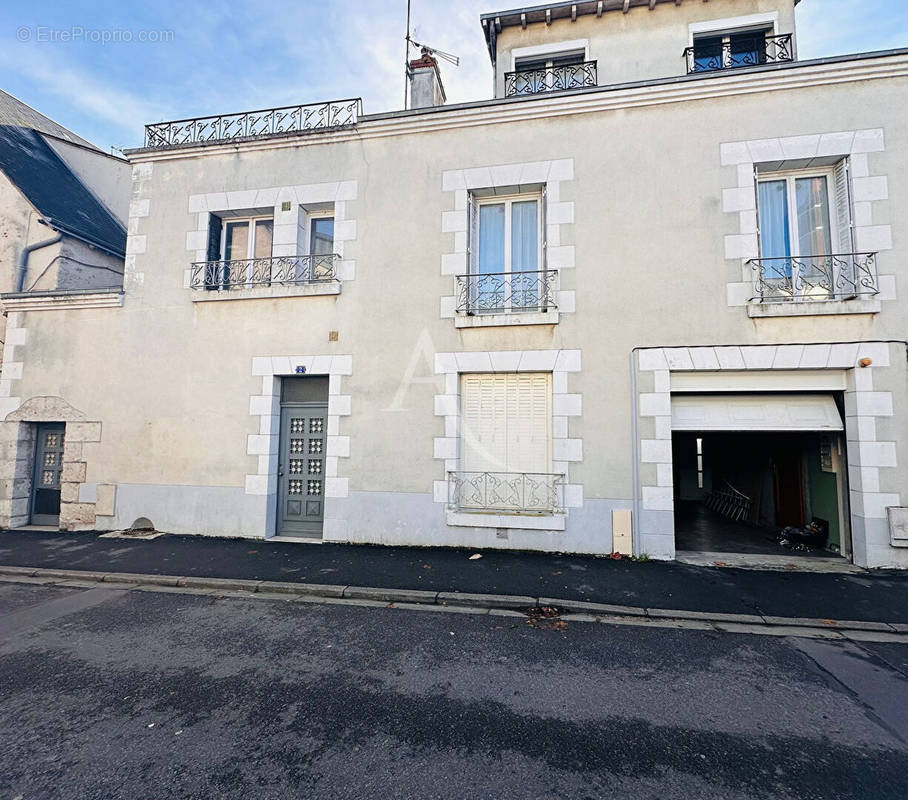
(82, 90)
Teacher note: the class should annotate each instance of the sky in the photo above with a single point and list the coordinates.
(106, 68)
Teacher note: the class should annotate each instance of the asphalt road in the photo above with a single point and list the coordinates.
(131, 694)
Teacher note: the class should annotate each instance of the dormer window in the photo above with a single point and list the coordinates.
(739, 48)
(550, 73)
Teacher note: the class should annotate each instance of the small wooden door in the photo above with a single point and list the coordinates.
(301, 469)
(45, 500)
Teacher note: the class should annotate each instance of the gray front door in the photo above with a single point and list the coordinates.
(45, 500)
(301, 469)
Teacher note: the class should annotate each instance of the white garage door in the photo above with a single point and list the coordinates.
(741, 412)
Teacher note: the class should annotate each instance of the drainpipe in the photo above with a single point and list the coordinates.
(635, 467)
(23, 259)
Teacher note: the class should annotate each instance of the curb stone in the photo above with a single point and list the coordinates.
(497, 605)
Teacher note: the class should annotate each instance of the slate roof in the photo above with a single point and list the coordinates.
(14, 112)
(58, 195)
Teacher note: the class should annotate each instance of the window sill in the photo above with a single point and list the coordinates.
(483, 519)
(791, 308)
(497, 320)
(260, 292)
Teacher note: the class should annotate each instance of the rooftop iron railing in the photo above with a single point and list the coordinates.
(550, 79)
(253, 124)
(506, 492)
(805, 279)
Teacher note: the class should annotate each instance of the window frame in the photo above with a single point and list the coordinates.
(507, 271)
(796, 261)
(508, 200)
(725, 35)
(311, 217)
(547, 61)
(791, 176)
(252, 221)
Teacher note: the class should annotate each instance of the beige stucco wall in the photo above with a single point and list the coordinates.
(171, 380)
(640, 45)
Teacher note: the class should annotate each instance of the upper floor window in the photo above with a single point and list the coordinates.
(321, 236)
(242, 254)
(795, 215)
(806, 237)
(247, 238)
(550, 73)
(507, 270)
(748, 48)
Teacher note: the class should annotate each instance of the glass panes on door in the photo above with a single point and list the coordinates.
(302, 476)
(45, 499)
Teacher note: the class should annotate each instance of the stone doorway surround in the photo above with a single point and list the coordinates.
(81, 502)
(868, 458)
(265, 409)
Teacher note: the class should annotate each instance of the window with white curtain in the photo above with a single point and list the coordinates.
(795, 215)
(506, 258)
(805, 228)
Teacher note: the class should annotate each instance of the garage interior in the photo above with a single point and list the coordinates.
(747, 466)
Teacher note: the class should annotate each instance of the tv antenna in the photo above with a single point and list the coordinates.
(411, 42)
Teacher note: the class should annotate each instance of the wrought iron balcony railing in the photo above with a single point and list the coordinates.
(550, 79)
(739, 51)
(507, 292)
(506, 492)
(808, 279)
(247, 272)
(252, 124)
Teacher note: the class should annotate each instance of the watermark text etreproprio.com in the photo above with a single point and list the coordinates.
(77, 33)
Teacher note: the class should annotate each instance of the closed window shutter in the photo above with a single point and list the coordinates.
(529, 423)
(506, 422)
(472, 235)
(483, 423)
(757, 207)
(545, 230)
(214, 237)
(844, 208)
(213, 276)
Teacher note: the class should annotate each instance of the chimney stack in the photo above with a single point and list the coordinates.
(426, 89)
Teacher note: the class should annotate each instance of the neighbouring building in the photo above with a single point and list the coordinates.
(648, 298)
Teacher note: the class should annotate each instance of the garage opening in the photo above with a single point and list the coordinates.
(760, 474)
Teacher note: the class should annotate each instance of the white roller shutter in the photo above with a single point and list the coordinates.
(506, 422)
(782, 412)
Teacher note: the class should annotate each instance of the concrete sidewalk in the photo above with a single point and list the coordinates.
(869, 596)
